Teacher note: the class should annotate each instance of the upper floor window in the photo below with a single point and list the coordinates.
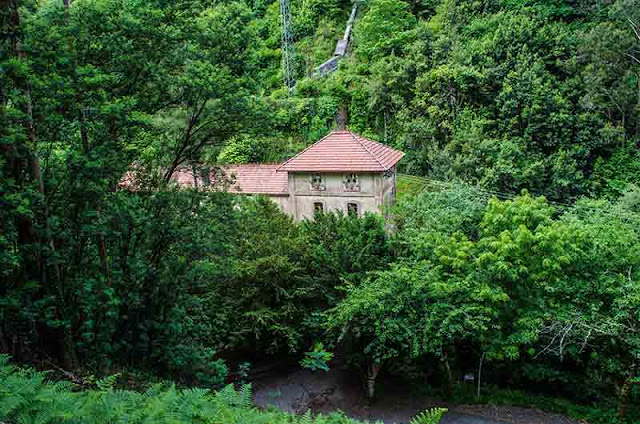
(351, 182)
(317, 182)
(352, 209)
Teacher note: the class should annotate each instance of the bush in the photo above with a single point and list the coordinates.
(25, 397)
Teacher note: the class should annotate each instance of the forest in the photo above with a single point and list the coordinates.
(515, 254)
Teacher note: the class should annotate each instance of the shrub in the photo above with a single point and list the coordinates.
(25, 397)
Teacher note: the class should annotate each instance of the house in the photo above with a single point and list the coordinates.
(341, 172)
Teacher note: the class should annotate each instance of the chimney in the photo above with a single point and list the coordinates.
(342, 117)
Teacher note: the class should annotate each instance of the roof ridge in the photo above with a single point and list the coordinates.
(367, 149)
(308, 147)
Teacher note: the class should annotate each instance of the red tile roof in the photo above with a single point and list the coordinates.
(257, 179)
(249, 179)
(185, 178)
(341, 151)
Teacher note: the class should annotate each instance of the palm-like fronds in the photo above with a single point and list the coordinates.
(429, 416)
(26, 398)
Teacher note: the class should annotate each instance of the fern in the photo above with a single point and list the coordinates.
(245, 396)
(429, 416)
(24, 394)
(242, 398)
(26, 398)
(227, 395)
(306, 418)
(107, 383)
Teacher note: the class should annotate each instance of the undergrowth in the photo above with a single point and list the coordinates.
(26, 397)
(596, 413)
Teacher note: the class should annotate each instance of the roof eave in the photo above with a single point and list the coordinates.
(382, 168)
(260, 193)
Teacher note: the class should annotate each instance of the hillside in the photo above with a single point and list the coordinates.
(508, 270)
(508, 95)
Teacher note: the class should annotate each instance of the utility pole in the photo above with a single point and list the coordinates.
(288, 55)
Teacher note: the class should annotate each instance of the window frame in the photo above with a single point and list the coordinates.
(315, 207)
(317, 182)
(357, 208)
(351, 182)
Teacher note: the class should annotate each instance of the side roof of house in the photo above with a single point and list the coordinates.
(255, 178)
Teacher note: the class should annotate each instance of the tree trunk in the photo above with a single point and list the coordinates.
(104, 261)
(84, 137)
(31, 166)
(445, 360)
(373, 368)
(4, 344)
(385, 125)
(36, 173)
(625, 397)
(480, 374)
(70, 358)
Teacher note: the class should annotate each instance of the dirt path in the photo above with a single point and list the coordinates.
(338, 390)
(458, 418)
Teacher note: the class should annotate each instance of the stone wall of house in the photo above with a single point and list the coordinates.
(389, 188)
(374, 190)
(282, 201)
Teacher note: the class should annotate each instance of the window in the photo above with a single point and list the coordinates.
(317, 182)
(352, 209)
(351, 182)
(318, 207)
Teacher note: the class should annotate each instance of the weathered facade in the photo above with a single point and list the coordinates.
(341, 172)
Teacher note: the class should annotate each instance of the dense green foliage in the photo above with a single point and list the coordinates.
(504, 94)
(538, 295)
(25, 397)
(98, 277)
(507, 95)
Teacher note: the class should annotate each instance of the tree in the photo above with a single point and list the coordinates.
(511, 281)
(210, 94)
(83, 260)
(385, 27)
(414, 309)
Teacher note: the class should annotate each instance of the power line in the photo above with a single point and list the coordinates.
(448, 184)
(426, 182)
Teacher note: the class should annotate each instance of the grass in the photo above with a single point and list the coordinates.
(595, 413)
(410, 185)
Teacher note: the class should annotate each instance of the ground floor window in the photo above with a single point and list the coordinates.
(318, 207)
(352, 209)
